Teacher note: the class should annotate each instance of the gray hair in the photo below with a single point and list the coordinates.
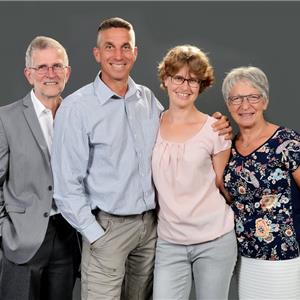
(40, 43)
(255, 76)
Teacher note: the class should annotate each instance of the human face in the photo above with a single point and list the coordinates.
(181, 95)
(246, 115)
(116, 53)
(50, 85)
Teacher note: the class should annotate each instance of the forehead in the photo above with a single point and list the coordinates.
(185, 70)
(242, 87)
(116, 35)
(41, 56)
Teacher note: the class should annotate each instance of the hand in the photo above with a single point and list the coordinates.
(222, 126)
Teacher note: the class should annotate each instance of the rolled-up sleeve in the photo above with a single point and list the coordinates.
(70, 157)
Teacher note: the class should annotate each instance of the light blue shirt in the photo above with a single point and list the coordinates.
(101, 154)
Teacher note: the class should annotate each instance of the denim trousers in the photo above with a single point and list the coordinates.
(209, 264)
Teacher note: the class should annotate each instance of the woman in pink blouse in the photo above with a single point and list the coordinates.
(196, 239)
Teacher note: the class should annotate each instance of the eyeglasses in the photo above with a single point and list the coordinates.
(43, 69)
(238, 100)
(178, 80)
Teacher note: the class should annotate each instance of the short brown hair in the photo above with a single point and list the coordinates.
(114, 22)
(194, 58)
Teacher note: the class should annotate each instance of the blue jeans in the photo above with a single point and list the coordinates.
(210, 264)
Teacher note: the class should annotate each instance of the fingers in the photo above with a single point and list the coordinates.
(226, 132)
(217, 115)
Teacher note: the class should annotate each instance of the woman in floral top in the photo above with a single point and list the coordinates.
(264, 161)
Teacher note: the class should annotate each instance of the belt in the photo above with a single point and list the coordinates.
(97, 211)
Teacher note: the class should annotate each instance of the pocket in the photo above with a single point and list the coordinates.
(106, 226)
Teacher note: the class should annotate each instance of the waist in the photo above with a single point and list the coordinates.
(100, 213)
(58, 220)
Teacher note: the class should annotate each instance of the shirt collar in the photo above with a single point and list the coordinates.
(39, 107)
(104, 93)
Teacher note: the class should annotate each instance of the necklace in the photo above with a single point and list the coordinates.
(246, 144)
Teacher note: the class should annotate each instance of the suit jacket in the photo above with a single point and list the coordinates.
(26, 183)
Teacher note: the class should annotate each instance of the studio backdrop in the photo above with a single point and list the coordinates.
(263, 34)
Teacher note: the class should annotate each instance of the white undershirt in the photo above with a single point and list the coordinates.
(45, 118)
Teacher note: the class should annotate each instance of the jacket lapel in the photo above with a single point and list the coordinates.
(35, 127)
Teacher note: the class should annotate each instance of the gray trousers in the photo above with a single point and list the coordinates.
(123, 256)
(210, 264)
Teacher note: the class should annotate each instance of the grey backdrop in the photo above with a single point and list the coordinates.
(264, 34)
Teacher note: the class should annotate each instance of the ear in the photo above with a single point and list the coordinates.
(135, 52)
(96, 52)
(227, 105)
(28, 75)
(266, 103)
(166, 81)
(68, 73)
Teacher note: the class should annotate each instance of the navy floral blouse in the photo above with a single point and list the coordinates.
(260, 186)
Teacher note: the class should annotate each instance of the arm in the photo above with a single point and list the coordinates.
(222, 125)
(219, 161)
(296, 176)
(70, 157)
(4, 157)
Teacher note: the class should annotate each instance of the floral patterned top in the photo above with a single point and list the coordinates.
(260, 186)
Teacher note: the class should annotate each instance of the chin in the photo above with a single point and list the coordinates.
(245, 125)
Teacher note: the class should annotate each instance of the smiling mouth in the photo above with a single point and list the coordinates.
(184, 95)
(246, 115)
(51, 83)
(118, 65)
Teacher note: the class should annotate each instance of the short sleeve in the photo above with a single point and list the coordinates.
(290, 150)
(219, 142)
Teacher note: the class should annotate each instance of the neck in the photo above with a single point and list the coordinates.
(52, 104)
(249, 136)
(181, 115)
(120, 87)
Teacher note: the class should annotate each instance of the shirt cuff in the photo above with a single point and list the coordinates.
(93, 232)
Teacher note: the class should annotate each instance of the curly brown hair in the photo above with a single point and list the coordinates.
(196, 60)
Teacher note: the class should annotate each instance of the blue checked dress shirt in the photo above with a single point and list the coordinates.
(101, 154)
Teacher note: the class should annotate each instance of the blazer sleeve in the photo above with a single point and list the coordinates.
(4, 157)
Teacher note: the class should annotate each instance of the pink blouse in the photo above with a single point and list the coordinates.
(192, 210)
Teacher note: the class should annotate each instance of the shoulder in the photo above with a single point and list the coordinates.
(78, 96)
(218, 141)
(12, 108)
(285, 135)
(288, 132)
(209, 121)
(149, 96)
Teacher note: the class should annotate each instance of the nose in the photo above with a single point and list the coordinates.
(245, 103)
(118, 53)
(185, 83)
(50, 72)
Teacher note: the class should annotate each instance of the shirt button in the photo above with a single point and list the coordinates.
(46, 215)
(50, 187)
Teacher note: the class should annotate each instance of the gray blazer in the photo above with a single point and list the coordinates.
(26, 183)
